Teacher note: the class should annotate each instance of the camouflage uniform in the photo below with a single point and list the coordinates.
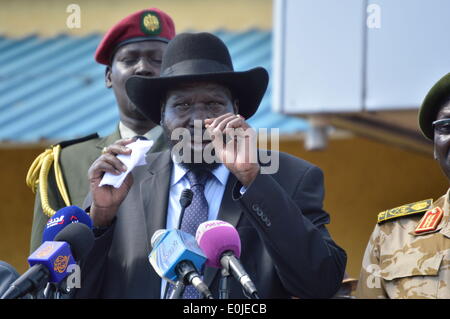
(399, 262)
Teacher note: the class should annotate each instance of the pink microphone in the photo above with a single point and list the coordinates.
(216, 237)
(221, 244)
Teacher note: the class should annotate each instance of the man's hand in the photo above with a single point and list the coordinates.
(107, 199)
(239, 151)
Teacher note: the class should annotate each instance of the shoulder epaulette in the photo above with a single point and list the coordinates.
(78, 140)
(37, 175)
(405, 210)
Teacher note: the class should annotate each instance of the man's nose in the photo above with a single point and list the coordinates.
(145, 68)
(199, 114)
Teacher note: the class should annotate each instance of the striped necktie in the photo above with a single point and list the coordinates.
(195, 214)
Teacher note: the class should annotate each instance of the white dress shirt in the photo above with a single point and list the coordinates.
(214, 189)
(152, 135)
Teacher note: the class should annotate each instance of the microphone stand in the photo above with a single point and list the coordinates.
(177, 290)
(56, 290)
(50, 291)
(183, 208)
(179, 286)
(224, 287)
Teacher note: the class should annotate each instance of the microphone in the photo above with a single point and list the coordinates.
(179, 285)
(221, 244)
(50, 261)
(185, 201)
(64, 217)
(158, 235)
(176, 256)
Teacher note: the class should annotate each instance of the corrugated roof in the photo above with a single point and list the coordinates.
(51, 88)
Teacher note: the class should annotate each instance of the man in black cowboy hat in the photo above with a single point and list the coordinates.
(286, 248)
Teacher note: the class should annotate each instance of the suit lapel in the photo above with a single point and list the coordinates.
(154, 192)
(160, 143)
(229, 211)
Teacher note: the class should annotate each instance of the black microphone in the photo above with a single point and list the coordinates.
(50, 261)
(185, 201)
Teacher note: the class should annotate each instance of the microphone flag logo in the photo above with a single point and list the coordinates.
(61, 263)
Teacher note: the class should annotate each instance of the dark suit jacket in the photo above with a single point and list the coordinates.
(286, 248)
(7, 276)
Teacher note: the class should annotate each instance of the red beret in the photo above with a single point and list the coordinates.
(149, 24)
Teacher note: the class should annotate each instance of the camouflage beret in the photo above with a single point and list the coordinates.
(438, 94)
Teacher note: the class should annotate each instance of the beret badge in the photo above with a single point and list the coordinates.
(150, 23)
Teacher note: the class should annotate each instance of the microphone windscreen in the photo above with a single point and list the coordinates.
(216, 237)
(80, 238)
(186, 197)
(174, 247)
(62, 218)
(157, 235)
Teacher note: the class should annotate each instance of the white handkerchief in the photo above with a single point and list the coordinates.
(136, 158)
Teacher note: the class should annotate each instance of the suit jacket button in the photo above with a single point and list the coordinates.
(255, 207)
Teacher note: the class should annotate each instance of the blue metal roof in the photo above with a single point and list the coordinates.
(51, 88)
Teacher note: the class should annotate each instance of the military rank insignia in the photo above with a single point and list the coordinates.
(405, 210)
(430, 220)
(150, 23)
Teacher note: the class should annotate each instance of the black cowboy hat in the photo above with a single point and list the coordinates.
(197, 57)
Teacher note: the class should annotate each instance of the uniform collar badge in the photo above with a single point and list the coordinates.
(430, 220)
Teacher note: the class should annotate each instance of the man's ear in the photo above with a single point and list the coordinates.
(434, 152)
(108, 81)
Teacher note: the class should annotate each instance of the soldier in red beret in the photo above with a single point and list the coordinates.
(134, 46)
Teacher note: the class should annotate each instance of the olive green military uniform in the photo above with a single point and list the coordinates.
(75, 161)
(401, 261)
